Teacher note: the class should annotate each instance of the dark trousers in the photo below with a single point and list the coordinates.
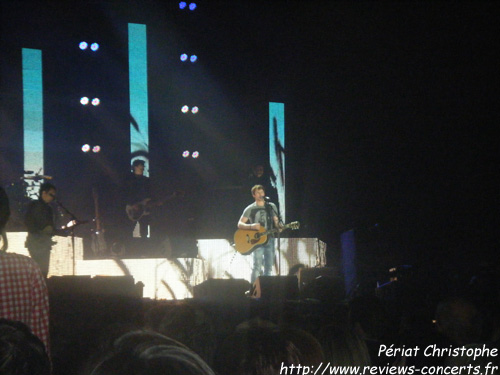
(42, 257)
(39, 246)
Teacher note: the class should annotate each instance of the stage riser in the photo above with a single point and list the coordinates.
(85, 286)
(175, 278)
(162, 278)
(61, 256)
(223, 262)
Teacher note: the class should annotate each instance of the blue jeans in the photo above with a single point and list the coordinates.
(263, 253)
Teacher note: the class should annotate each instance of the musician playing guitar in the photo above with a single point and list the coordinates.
(138, 192)
(260, 214)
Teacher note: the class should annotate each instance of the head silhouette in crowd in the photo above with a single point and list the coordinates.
(21, 352)
(459, 321)
(256, 351)
(149, 353)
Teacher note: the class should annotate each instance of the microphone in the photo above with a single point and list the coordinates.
(267, 199)
(37, 177)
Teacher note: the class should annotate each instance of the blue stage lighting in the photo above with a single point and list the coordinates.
(185, 109)
(96, 149)
(192, 6)
(195, 154)
(84, 100)
(83, 45)
(185, 154)
(96, 102)
(94, 47)
(184, 57)
(193, 58)
(182, 5)
(195, 110)
(85, 148)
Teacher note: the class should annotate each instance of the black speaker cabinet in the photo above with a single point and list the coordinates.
(69, 284)
(321, 284)
(307, 275)
(221, 289)
(98, 285)
(276, 287)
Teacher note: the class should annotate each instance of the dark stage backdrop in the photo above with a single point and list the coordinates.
(390, 108)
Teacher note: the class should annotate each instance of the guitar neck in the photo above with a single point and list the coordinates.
(271, 231)
(160, 202)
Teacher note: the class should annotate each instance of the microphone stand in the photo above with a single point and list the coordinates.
(72, 228)
(280, 222)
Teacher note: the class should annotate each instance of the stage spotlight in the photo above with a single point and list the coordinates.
(192, 6)
(185, 154)
(94, 47)
(83, 45)
(184, 57)
(195, 154)
(193, 58)
(84, 100)
(96, 102)
(96, 149)
(184, 109)
(194, 110)
(182, 5)
(85, 148)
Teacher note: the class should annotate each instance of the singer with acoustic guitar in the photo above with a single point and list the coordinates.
(260, 214)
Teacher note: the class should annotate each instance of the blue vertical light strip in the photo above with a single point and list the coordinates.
(138, 91)
(33, 110)
(277, 151)
(348, 245)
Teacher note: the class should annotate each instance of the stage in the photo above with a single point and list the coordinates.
(173, 279)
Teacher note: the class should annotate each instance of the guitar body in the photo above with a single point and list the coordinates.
(137, 210)
(245, 240)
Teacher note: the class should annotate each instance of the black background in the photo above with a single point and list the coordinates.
(391, 114)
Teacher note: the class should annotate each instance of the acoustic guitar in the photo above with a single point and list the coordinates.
(245, 240)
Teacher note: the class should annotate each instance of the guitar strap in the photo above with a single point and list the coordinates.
(258, 209)
(253, 213)
(269, 216)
